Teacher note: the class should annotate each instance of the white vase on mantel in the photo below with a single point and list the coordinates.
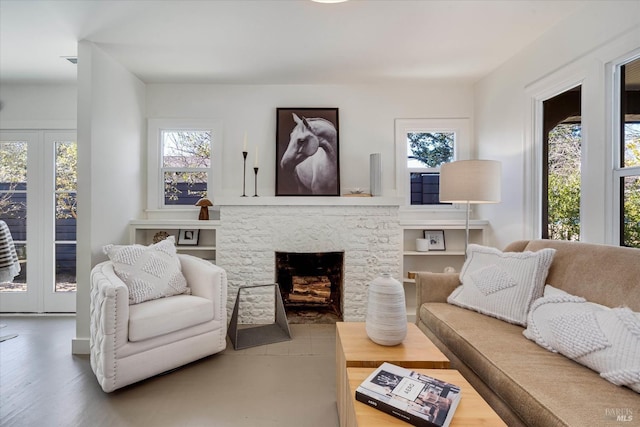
(386, 320)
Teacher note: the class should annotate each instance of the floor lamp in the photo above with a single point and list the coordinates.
(470, 181)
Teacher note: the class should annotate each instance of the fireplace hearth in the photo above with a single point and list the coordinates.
(311, 285)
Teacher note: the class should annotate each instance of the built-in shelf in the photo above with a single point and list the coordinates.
(434, 253)
(142, 231)
(435, 260)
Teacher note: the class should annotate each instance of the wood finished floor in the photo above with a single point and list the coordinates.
(284, 384)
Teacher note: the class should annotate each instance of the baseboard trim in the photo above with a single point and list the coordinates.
(80, 346)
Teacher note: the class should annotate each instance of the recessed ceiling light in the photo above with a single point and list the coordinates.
(329, 1)
(72, 59)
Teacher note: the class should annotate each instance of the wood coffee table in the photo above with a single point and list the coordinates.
(354, 349)
(472, 410)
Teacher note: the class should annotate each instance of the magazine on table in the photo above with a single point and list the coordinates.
(416, 398)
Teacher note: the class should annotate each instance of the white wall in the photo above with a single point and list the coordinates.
(366, 119)
(576, 49)
(111, 165)
(38, 106)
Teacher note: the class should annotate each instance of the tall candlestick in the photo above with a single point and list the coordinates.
(255, 193)
(255, 164)
(244, 172)
(244, 147)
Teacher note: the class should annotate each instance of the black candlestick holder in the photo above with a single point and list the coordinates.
(255, 170)
(244, 172)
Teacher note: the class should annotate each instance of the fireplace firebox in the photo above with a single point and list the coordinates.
(311, 285)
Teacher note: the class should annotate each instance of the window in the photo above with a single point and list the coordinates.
(186, 159)
(562, 151)
(627, 165)
(183, 162)
(422, 145)
(426, 151)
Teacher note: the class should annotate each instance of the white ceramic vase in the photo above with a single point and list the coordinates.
(386, 321)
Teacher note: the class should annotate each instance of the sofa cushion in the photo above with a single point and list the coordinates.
(528, 378)
(166, 315)
(502, 284)
(149, 272)
(604, 339)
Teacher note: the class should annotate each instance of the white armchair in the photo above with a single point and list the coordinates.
(132, 342)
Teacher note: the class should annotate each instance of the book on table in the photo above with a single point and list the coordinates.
(413, 397)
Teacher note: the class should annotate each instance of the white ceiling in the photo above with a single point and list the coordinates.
(273, 41)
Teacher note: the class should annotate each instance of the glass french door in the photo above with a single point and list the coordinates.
(38, 202)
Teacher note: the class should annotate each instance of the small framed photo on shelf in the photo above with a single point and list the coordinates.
(436, 239)
(188, 237)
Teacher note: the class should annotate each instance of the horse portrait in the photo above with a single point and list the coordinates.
(308, 155)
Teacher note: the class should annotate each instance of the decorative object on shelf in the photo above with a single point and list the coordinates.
(188, 237)
(356, 192)
(375, 174)
(244, 172)
(422, 245)
(470, 181)
(411, 275)
(435, 240)
(386, 320)
(307, 155)
(160, 236)
(244, 164)
(255, 191)
(204, 204)
(449, 270)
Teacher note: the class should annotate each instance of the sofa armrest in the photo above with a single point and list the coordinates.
(109, 317)
(434, 287)
(517, 246)
(206, 280)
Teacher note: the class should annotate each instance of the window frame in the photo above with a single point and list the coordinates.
(618, 171)
(155, 170)
(461, 127)
(534, 146)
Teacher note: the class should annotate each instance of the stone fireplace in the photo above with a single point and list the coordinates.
(366, 232)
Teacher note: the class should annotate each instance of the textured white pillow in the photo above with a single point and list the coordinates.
(502, 284)
(150, 272)
(604, 339)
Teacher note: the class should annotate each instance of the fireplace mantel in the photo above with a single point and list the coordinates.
(308, 201)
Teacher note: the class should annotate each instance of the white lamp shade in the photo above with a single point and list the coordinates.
(472, 181)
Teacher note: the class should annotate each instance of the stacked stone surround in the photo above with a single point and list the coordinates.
(249, 236)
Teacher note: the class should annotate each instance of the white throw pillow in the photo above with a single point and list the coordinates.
(502, 284)
(604, 339)
(150, 272)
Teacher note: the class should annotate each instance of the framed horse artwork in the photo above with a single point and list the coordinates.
(307, 155)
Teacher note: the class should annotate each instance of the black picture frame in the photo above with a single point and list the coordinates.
(292, 174)
(188, 237)
(436, 240)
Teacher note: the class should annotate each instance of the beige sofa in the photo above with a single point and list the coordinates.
(526, 384)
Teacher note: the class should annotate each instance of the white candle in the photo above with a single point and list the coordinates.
(255, 165)
(244, 147)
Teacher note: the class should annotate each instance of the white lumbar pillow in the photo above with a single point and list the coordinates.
(150, 272)
(604, 339)
(502, 284)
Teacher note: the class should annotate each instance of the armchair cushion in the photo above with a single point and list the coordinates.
(165, 315)
(150, 272)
